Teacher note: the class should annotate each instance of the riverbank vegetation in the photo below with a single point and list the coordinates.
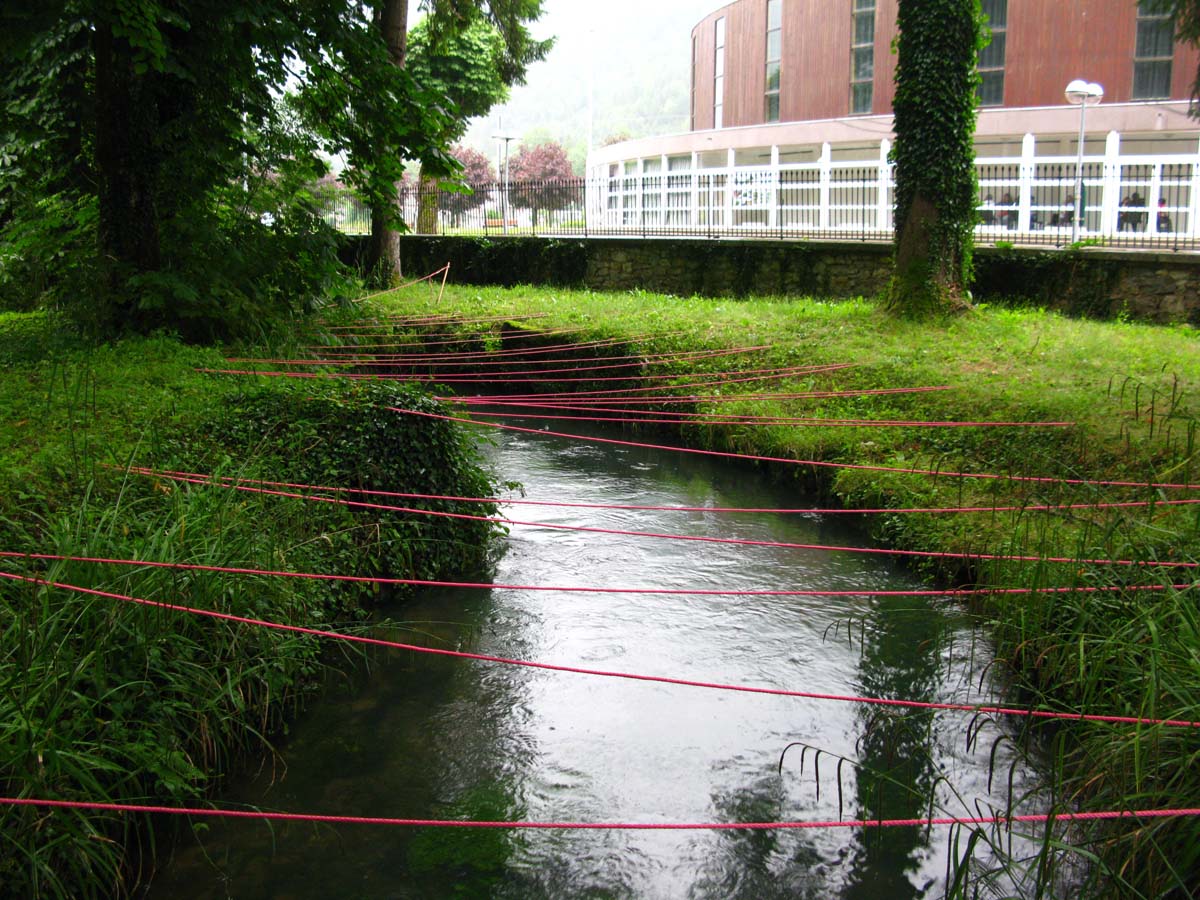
(1122, 400)
(105, 700)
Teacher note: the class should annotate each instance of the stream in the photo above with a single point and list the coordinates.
(416, 736)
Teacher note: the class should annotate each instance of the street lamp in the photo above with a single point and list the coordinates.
(1082, 94)
(504, 203)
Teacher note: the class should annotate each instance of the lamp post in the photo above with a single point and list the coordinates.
(1082, 94)
(504, 204)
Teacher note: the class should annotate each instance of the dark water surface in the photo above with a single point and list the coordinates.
(426, 737)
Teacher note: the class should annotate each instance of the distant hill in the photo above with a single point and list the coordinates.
(639, 52)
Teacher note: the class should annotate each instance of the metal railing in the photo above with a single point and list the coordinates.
(1127, 201)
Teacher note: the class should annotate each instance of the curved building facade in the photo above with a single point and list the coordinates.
(760, 61)
(791, 123)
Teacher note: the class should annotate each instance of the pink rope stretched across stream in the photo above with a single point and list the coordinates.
(275, 816)
(745, 542)
(607, 673)
(958, 593)
(1038, 479)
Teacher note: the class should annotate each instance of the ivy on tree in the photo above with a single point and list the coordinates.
(935, 109)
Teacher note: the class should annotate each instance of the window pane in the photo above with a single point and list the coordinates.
(864, 29)
(774, 13)
(719, 90)
(864, 4)
(864, 64)
(1155, 37)
(717, 110)
(996, 12)
(860, 98)
(721, 32)
(772, 76)
(772, 107)
(719, 66)
(773, 45)
(991, 88)
(1151, 80)
(992, 56)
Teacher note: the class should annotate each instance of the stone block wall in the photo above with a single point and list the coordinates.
(1150, 286)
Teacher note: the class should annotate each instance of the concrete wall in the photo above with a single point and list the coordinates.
(1155, 287)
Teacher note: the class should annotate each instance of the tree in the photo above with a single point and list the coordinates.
(158, 133)
(447, 19)
(478, 178)
(541, 178)
(465, 70)
(383, 247)
(935, 105)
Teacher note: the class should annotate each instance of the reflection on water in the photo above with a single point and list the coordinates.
(427, 737)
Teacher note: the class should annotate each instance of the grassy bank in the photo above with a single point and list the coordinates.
(103, 700)
(1126, 394)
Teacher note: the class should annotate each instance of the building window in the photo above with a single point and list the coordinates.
(774, 57)
(719, 75)
(991, 57)
(1152, 57)
(862, 57)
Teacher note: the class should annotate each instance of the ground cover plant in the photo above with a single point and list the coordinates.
(102, 700)
(1121, 397)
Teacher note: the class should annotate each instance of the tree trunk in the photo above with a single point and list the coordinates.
(934, 118)
(427, 204)
(127, 167)
(383, 250)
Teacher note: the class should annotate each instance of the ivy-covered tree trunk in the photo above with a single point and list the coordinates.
(383, 250)
(936, 80)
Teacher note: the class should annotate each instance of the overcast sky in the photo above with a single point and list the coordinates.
(637, 54)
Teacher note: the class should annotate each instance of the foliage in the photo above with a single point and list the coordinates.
(157, 133)
(541, 178)
(1129, 392)
(464, 69)
(477, 177)
(102, 700)
(936, 82)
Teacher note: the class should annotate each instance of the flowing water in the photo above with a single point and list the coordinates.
(428, 737)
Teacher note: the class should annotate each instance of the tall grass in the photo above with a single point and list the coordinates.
(1129, 392)
(102, 700)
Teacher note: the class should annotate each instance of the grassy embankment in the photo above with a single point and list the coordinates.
(102, 700)
(1128, 391)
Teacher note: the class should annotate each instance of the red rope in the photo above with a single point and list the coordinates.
(549, 348)
(450, 380)
(638, 360)
(822, 511)
(759, 421)
(1037, 479)
(706, 539)
(605, 673)
(584, 398)
(266, 815)
(959, 593)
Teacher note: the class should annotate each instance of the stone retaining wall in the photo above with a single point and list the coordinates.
(1151, 286)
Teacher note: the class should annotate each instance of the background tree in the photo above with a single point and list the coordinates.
(465, 69)
(541, 178)
(446, 19)
(477, 177)
(936, 81)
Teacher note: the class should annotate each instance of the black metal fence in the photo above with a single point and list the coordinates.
(1141, 204)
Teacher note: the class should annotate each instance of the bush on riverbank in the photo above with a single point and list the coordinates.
(104, 700)
(1125, 394)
